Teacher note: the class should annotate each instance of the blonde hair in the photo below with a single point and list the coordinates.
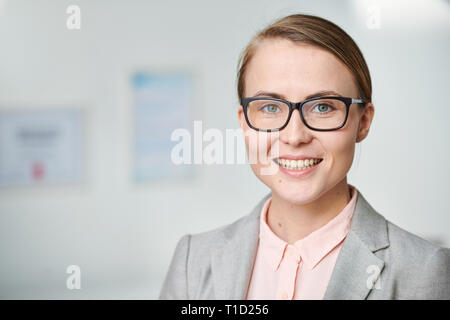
(317, 31)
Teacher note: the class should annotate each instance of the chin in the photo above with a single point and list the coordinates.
(296, 196)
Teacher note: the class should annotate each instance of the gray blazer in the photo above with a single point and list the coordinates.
(378, 260)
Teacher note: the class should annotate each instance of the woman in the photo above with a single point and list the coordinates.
(304, 86)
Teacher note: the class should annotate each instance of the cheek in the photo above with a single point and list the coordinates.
(340, 149)
(261, 147)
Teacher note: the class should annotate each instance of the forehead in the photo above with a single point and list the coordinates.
(296, 70)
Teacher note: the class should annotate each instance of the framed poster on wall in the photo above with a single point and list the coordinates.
(41, 147)
(162, 103)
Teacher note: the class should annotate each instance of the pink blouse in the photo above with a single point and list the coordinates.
(301, 270)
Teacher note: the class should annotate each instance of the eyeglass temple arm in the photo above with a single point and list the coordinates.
(360, 100)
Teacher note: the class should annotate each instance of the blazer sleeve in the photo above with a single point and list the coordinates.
(175, 283)
(435, 281)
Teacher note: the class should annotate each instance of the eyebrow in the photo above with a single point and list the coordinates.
(313, 95)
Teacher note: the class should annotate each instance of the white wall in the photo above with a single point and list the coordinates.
(123, 235)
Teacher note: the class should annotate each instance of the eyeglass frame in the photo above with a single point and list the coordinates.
(298, 105)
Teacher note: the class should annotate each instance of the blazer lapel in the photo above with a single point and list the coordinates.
(232, 264)
(357, 265)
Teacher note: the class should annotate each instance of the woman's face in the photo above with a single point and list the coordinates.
(295, 71)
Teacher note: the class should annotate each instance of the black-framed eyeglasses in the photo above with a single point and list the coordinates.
(319, 114)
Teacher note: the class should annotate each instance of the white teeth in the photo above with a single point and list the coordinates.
(298, 164)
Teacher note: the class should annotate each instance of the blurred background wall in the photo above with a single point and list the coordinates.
(122, 234)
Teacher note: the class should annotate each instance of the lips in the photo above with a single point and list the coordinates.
(298, 168)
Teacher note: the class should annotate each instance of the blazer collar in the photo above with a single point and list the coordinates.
(232, 264)
(357, 267)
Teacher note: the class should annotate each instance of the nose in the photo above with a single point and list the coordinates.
(295, 132)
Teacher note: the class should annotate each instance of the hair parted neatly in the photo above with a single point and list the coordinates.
(313, 30)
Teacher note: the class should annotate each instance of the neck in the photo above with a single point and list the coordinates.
(291, 222)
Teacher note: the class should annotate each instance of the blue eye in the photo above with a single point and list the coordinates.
(321, 110)
(270, 108)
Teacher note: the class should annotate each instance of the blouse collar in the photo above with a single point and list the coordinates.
(312, 248)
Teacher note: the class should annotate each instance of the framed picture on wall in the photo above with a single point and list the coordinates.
(162, 104)
(41, 147)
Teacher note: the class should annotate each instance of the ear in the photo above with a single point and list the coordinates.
(365, 121)
(241, 118)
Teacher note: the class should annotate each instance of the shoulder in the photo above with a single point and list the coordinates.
(203, 243)
(413, 267)
(378, 233)
(419, 264)
(192, 258)
(219, 236)
(411, 246)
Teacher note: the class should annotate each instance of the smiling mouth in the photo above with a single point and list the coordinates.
(297, 164)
